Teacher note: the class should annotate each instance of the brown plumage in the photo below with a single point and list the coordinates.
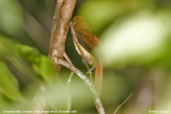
(85, 44)
(85, 37)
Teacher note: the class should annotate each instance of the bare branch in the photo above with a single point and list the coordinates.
(62, 16)
(116, 110)
(97, 99)
(67, 58)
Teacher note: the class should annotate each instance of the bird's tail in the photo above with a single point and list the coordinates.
(99, 77)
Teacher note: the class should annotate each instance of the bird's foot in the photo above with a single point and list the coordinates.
(90, 70)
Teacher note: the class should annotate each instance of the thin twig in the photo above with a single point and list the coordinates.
(70, 78)
(67, 58)
(116, 110)
(69, 104)
(97, 99)
(62, 16)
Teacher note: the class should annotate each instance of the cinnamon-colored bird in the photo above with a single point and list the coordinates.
(85, 42)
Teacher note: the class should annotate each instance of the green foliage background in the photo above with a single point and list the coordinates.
(135, 47)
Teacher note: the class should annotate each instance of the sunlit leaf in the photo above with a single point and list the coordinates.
(140, 39)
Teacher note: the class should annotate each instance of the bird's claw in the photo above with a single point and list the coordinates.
(90, 70)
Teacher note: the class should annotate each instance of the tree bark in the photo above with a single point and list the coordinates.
(60, 24)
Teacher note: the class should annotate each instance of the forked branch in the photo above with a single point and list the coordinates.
(60, 24)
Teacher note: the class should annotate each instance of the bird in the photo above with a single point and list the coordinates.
(85, 43)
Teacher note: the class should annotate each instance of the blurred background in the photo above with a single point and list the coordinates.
(135, 48)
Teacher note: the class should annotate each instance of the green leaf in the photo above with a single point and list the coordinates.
(41, 64)
(9, 84)
(45, 68)
(29, 53)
